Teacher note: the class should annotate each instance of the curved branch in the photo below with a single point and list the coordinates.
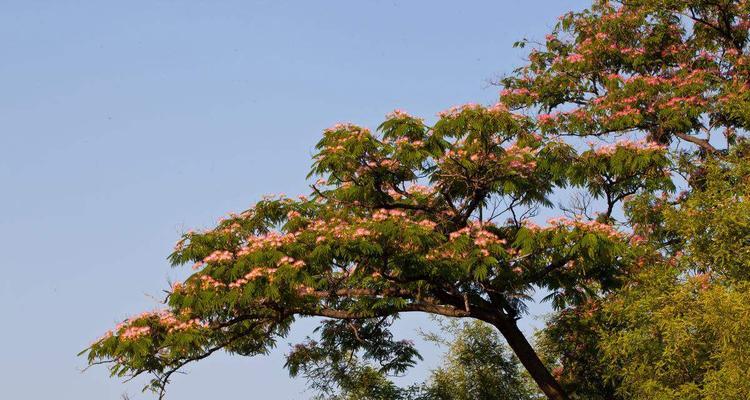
(702, 143)
(431, 308)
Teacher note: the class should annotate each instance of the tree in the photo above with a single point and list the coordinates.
(476, 367)
(675, 72)
(433, 218)
(679, 337)
(337, 368)
(371, 243)
(668, 69)
(678, 327)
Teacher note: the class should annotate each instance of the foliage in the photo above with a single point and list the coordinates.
(335, 371)
(477, 366)
(678, 328)
(372, 242)
(679, 338)
(668, 68)
(570, 343)
(713, 221)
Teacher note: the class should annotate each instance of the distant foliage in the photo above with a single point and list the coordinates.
(679, 326)
(477, 366)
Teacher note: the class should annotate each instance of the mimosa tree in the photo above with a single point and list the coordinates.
(372, 242)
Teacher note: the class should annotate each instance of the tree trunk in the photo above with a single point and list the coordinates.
(526, 354)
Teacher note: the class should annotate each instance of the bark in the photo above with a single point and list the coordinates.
(702, 143)
(527, 355)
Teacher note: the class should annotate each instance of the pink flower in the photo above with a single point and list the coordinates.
(420, 189)
(530, 225)
(360, 232)
(574, 58)
(285, 260)
(427, 224)
(254, 274)
(546, 119)
(219, 256)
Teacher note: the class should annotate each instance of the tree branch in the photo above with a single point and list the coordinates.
(702, 143)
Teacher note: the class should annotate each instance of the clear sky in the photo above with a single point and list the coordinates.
(123, 124)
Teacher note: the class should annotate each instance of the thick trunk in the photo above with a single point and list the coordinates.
(526, 354)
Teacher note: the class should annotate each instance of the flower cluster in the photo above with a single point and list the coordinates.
(270, 240)
(420, 190)
(132, 328)
(517, 92)
(403, 141)
(383, 214)
(635, 145)
(250, 276)
(343, 126)
(303, 290)
(169, 320)
(400, 114)
(286, 260)
(135, 332)
(578, 223)
(482, 238)
(208, 282)
(574, 58)
(456, 111)
(521, 158)
(219, 256)
(387, 163)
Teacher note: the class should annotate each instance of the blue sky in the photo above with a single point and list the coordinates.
(123, 124)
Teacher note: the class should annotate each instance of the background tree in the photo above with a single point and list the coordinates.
(666, 69)
(476, 366)
(678, 328)
(337, 369)
(676, 73)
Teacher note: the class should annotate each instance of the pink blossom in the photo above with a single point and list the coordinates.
(420, 189)
(546, 119)
(574, 58)
(219, 256)
(427, 224)
(135, 332)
